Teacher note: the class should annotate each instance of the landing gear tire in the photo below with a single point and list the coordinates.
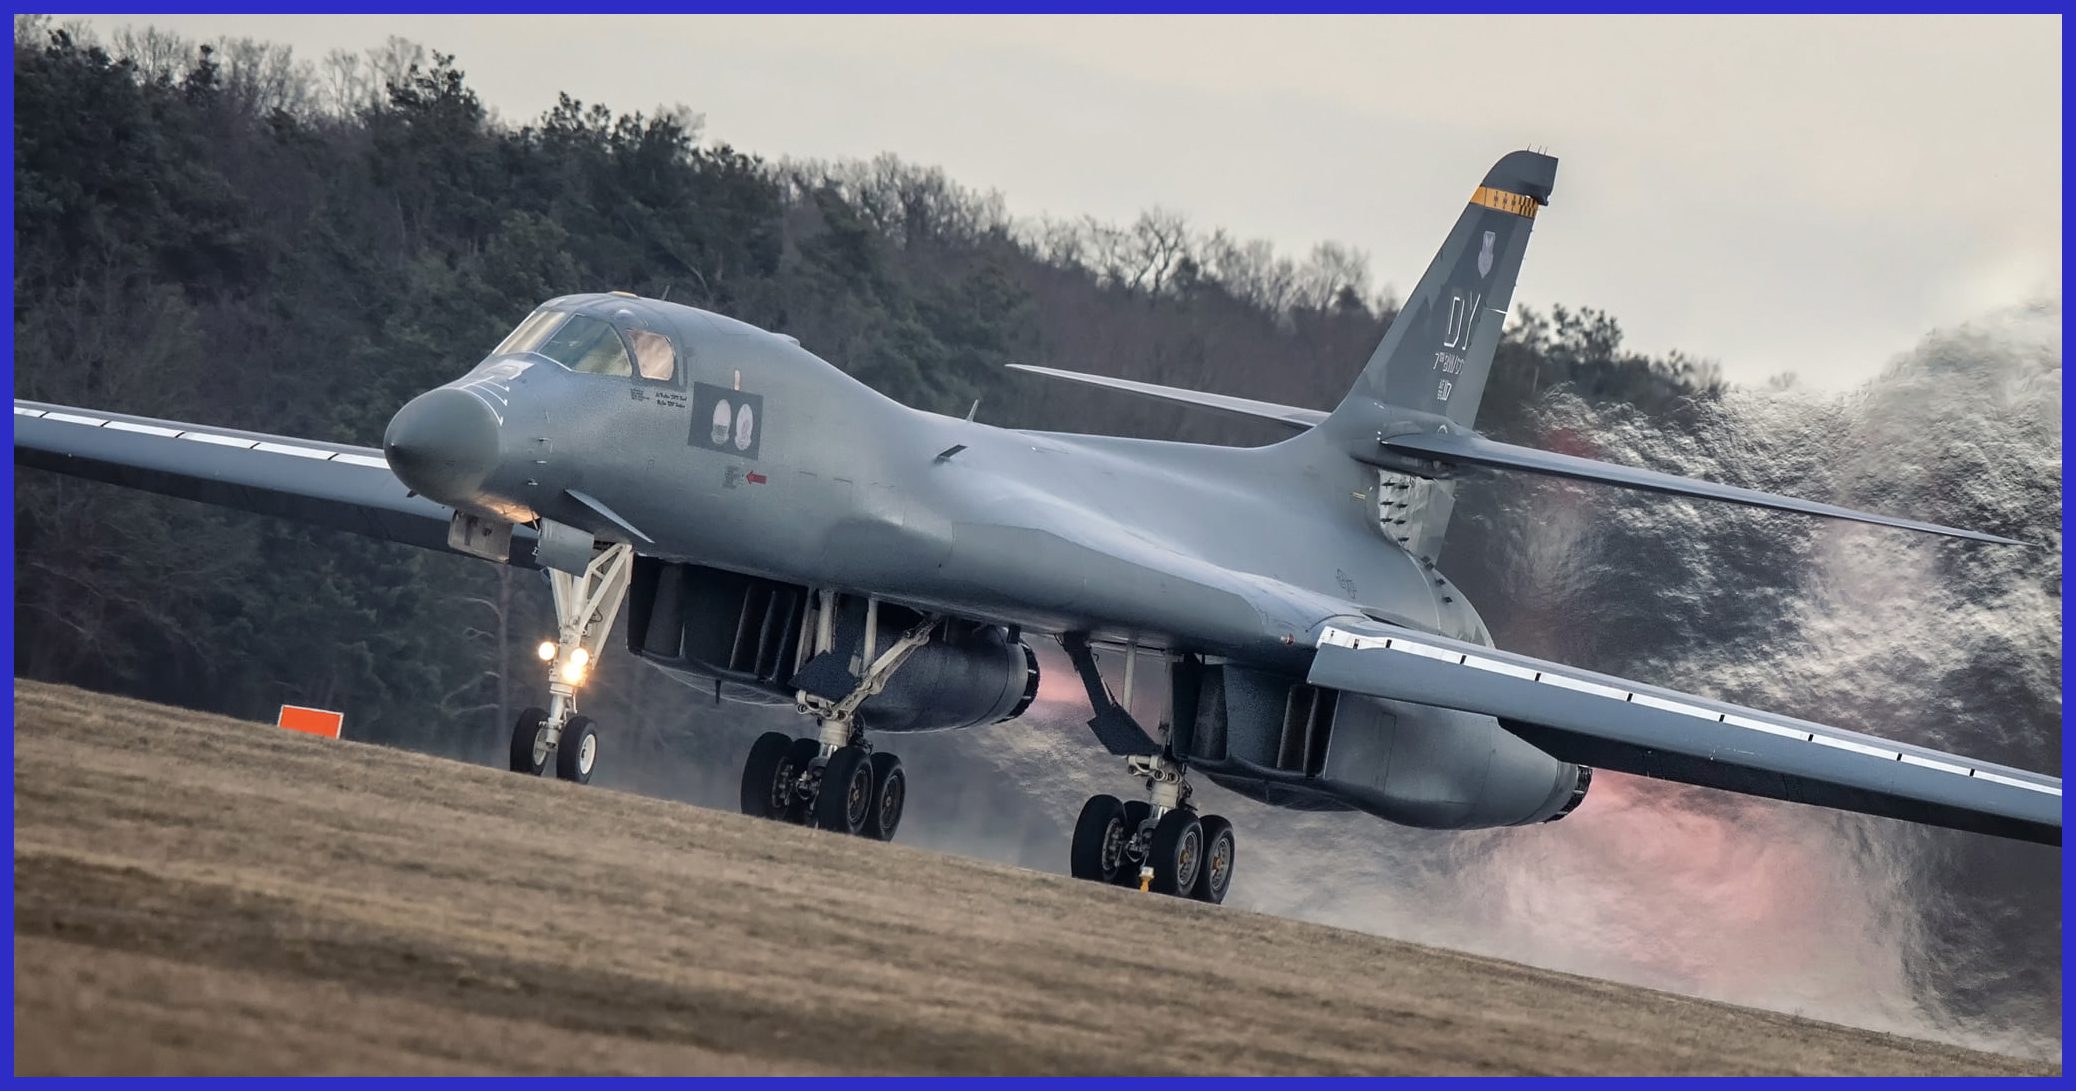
(800, 758)
(845, 800)
(1215, 876)
(1177, 852)
(1136, 812)
(577, 754)
(530, 742)
(1099, 840)
(765, 793)
(889, 796)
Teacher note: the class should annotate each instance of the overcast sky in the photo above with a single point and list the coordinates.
(1777, 193)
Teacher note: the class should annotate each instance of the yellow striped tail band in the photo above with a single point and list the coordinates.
(1517, 203)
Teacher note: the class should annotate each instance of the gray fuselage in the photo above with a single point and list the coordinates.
(846, 488)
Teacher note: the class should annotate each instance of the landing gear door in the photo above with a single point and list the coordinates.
(490, 539)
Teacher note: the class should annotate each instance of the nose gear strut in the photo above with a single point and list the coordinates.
(585, 606)
(1159, 843)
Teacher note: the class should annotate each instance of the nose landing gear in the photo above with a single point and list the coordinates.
(585, 606)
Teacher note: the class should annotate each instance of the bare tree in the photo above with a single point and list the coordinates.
(157, 54)
(346, 83)
(1159, 241)
(1331, 274)
(905, 203)
(1061, 243)
(262, 77)
(390, 64)
(1251, 271)
(31, 31)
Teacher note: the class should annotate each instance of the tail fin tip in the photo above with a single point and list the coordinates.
(1528, 173)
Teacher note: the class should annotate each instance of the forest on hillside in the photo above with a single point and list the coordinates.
(224, 233)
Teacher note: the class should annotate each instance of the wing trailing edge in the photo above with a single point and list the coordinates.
(1470, 449)
(1612, 723)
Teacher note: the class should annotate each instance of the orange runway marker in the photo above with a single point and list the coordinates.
(311, 721)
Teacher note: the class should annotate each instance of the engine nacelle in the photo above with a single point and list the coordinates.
(968, 675)
(751, 639)
(1285, 742)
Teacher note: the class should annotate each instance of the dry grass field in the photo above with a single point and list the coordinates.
(200, 895)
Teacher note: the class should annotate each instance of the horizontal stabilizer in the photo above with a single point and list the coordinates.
(1247, 407)
(1468, 449)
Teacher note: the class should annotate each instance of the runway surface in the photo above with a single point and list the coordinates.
(195, 894)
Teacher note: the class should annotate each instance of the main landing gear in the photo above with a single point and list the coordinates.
(584, 610)
(849, 789)
(1158, 843)
(834, 780)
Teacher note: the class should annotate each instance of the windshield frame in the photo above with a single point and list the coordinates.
(536, 330)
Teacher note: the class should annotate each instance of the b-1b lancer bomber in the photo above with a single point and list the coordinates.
(777, 532)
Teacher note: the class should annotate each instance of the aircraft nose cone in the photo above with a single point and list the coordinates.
(443, 444)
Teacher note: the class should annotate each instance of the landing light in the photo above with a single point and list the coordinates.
(573, 672)
(581, 658)
(546, 651)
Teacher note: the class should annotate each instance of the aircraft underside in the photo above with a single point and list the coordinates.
(864, 668)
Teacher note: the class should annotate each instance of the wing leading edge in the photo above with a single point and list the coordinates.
(1289, 415)
(329, 484)
(1615, 724)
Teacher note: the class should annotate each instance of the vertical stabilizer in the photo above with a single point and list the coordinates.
(1438, 351)
(1428, 374)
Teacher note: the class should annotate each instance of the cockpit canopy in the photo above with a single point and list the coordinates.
(592, 345)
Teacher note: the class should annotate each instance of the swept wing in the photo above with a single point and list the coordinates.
(1613, 723)
(330, 484)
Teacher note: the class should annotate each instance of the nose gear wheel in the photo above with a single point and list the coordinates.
(530, 742)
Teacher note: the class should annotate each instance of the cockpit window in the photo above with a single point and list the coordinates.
(530, 332)
(587, 345)
(653, 355)
(591, 345)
